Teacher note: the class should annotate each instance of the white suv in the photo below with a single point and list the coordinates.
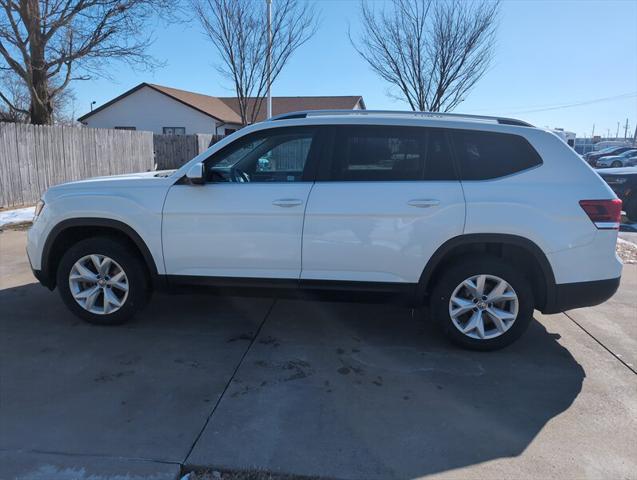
(482, 219)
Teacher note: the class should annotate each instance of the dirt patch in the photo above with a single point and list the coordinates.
(243, 475)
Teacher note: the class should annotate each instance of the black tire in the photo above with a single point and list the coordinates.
(464, 269)
(138, 283)
(616, 164)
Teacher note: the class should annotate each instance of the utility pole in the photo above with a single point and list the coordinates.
(626, 130)
(617, 132)
(269, 58)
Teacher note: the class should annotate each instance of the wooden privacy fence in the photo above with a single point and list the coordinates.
(172, 151)
(35, 157)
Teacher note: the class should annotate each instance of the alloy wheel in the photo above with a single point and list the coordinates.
(483, 306)
(98, 284)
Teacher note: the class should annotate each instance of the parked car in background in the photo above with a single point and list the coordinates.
(481, 219)
(615, 161)
(592, 157)
(605, 144)
(623, 181)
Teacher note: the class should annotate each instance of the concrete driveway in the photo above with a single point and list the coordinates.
(337, 390)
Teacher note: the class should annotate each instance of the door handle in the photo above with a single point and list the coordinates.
(424, 202)
(287, 202)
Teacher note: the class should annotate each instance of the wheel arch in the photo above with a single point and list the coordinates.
(521, 250)
(76, 229)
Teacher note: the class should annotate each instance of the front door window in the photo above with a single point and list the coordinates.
(279, 155)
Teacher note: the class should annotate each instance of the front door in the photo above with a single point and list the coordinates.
(247, 219)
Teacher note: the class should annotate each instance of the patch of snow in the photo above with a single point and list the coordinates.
(630, 239)
(19, 215)
(627, 251)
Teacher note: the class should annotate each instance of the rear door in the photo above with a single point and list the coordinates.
(386, 201)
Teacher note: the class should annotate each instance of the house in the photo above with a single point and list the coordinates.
(168, 110)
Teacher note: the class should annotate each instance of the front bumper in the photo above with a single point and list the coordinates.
(568, 296)
(37, 273)
(40, 278)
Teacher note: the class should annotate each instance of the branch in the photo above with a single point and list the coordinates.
(11, 106)
(238, 31)
(433, 51)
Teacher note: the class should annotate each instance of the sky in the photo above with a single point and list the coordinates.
(557, 63)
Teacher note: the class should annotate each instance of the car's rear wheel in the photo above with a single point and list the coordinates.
(482, 304)
(102, 281)
(616, 164)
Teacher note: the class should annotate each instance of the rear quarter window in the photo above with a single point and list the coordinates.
(486, 155)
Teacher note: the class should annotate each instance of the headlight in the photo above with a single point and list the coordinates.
(38, 209)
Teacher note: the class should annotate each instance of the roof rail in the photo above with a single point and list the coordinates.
(433, 115)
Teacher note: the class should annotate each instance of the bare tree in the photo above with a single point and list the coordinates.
(49, 43)
(16, 108)
(433, 51)
(16, 105)
(238, 30)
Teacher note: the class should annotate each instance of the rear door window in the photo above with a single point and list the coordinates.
(386, 153)
(486, 155)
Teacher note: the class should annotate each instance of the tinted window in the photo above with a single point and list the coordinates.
(483, 155)
(438, 163)
(381, 153)
(278, 155)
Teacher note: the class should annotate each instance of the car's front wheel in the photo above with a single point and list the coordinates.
(616, 164)
(482, 304)
(102, 281)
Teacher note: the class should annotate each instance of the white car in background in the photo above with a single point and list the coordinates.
(625, 159)
(482, 219)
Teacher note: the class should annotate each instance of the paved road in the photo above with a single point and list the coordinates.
(330, 389)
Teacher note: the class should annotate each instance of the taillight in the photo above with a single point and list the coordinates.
(605, 214)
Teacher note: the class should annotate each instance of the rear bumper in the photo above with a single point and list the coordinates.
(568, 296)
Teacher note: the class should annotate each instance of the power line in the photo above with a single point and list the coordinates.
(544, 108)
(576, 104)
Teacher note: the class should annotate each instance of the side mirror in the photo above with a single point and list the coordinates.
(195, 174)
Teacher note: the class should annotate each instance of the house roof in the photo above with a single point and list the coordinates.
(293, 104)
(211, 106)
(226, 109)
